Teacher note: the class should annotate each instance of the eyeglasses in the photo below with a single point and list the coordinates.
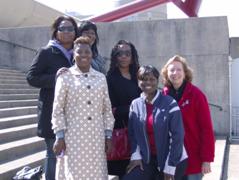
(66, 28)
(122, 53)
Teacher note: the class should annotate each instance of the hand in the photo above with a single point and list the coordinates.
(206, 167)
(113, 110)
(61, 71)
(108, 145)
(59, 146)
(168, 176)
(133, 164)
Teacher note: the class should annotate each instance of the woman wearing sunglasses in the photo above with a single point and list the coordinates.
(122, 73)
(56, 54)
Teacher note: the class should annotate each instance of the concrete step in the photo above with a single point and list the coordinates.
(17, 149)
(9, 74)
(17, 96)
(13, 77)
(18, 103)
(17, 111)
(10, 81)
(19, 91)
(16, 133)
(7, 70)
(9, 122)
(9, 169)
(16, 86)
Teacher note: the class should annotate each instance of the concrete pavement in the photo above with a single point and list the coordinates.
(232, 162)
(226, 162)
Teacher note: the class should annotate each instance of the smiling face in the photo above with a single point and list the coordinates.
(65, 32)
(148, 84)
(176, 74)
(124, 56)
(83, 56)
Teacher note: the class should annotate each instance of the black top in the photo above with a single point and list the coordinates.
(122, 91)
(177, 94)
(42, 74)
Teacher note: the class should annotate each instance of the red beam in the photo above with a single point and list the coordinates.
(189, 7)
(126, 10)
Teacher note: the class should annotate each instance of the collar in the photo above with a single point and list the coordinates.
(142, 95)
(76, 71)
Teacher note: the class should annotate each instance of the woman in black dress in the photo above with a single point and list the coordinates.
(123, 88)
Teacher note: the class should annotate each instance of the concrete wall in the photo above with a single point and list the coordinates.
(203, 41)
(25, 13)
(234, 47)
(19, 45)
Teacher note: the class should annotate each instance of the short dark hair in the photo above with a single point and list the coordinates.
(146, 70)
(114, 55)
(58, 21)
(85, 26)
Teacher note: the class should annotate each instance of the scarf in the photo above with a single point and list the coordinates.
(67, 53)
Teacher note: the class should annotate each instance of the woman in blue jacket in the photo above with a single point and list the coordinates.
(156, 132)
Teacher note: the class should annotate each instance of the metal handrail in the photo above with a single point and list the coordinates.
(217, 106)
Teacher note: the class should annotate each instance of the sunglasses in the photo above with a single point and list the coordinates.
(124, 53)
(66, 28)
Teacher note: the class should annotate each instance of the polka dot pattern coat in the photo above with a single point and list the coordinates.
(82, 109)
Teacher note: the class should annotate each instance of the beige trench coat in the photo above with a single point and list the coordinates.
(82, 109)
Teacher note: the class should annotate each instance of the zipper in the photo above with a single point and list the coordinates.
(145, 135)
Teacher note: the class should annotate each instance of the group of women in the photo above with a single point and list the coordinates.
(170, 131)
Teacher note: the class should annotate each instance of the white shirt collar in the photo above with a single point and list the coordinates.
(76, 71)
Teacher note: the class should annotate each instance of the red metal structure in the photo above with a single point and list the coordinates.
(189, 7)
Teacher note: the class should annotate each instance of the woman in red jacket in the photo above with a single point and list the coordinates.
(199, 137)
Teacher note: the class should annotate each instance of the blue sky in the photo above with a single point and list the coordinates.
(227, 8)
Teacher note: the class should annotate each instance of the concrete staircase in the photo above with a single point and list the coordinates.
(19, 145)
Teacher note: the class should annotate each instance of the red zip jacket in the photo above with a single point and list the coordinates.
(199, 137)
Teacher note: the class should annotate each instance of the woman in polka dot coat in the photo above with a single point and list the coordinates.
(82, 119)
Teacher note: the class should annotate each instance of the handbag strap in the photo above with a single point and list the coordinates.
(123, 121)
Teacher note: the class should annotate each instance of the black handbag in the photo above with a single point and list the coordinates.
(28, 173)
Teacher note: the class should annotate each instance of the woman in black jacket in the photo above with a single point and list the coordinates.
(123, 88)
(57, 54)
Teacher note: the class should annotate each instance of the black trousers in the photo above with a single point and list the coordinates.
(151, 172)
(117, 167)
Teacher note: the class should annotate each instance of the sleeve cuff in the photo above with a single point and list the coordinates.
(60, 134)
(169, 169)
(136, 155)
(108, 133)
